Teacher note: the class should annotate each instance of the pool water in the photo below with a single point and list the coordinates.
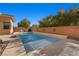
(34, 41)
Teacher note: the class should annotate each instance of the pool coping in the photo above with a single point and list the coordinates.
(60, 37)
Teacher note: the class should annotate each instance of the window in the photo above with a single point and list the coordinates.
(6, 25)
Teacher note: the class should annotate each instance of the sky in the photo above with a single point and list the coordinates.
(33, 11)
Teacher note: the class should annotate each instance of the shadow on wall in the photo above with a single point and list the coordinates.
(29, 30)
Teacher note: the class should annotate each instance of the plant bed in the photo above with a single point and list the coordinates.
(73, 37)
(3, 46)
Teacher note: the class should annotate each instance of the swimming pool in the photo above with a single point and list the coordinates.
(34, 41)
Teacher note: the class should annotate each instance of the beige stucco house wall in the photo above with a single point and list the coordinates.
(6, 24)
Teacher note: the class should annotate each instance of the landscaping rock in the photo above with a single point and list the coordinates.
(13, 36)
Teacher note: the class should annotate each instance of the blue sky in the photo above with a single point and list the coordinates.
(33, 11)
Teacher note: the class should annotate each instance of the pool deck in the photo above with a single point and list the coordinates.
(14, 47)
(62, 47)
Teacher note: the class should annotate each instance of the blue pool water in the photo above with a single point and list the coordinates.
(34, 41)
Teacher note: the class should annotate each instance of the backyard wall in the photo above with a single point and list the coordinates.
(19, 29)
(70, 31)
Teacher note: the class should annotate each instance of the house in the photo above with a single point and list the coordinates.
(6, 24)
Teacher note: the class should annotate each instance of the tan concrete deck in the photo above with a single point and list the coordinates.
(14, 47)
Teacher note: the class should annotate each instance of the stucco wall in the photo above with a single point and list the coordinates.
(4, 32)
(5, 18)
(1, 25)
(11, 26)
(70, 31)
(19, 29)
